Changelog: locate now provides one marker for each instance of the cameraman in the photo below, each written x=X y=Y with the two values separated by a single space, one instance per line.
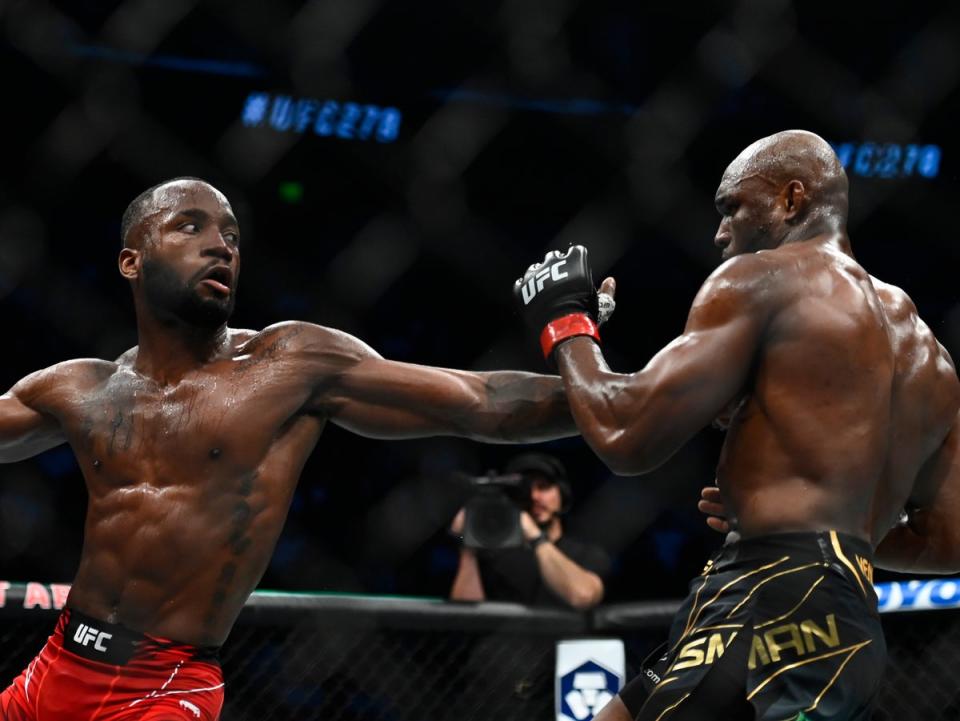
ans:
x=550 y=569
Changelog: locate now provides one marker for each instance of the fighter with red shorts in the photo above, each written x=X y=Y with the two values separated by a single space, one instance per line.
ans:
x=191 y=445
x=89 y=669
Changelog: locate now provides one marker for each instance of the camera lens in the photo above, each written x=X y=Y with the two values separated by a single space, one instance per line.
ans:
x=492 y=521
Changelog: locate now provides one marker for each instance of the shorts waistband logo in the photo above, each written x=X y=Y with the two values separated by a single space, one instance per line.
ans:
x=85 y=634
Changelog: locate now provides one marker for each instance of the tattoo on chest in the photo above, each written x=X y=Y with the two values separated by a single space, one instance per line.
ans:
x=121 y=431
x=105 y=420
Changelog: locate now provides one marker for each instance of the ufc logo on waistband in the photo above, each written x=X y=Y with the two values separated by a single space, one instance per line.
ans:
x=85 y=634
x=535 y=284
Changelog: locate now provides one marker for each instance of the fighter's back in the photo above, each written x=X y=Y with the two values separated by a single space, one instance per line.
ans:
x=926 y=397
x=846 y=401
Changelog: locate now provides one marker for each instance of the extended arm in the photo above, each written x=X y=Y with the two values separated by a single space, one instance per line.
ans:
x=635 y=422
x=362 y=391
x=25 y=430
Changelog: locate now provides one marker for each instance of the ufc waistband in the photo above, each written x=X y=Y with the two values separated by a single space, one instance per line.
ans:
x=111 y=643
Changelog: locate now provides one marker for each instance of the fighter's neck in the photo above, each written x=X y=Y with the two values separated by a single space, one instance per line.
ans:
x=167 y=352
x=824 y=229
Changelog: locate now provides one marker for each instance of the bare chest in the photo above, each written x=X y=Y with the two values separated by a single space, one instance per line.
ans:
x=130 y=425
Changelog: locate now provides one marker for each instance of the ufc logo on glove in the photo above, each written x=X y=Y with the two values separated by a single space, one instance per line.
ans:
x=535 y=284
x=558 y=300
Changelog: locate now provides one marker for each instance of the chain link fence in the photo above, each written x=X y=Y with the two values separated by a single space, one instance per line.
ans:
x=922 y=680
x=336 y=658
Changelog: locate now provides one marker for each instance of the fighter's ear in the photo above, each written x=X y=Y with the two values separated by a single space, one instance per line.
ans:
x=794 y=199
x=129 y=263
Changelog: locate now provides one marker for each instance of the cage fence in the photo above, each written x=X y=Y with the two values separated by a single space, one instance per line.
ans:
x=308 y=657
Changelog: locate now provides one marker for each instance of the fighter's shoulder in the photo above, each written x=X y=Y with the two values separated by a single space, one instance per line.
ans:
x=910 y=330
x=896 y=303
x=901 y=312
x=747 y=271
x=128 y=357
x=304 y=340
x=79 y=375
x=744 y=282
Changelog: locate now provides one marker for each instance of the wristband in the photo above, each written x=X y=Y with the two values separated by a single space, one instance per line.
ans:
x=568 y=326
x=539 y=541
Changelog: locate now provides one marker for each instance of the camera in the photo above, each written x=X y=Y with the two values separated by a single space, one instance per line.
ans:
x=492 y=516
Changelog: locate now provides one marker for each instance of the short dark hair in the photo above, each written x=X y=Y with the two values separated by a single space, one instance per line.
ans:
x=137 y=208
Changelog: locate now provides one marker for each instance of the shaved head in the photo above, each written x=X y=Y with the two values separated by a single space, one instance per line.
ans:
x=783 y=188
x=148 y=202
x=794 y=155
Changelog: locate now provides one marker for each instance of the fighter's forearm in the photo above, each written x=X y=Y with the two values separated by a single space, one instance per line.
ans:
x=523 y=408
x=385 y=399
x=579 y=587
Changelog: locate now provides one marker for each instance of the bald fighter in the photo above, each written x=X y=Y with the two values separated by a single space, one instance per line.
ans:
x=191 y=445
x=925 y=536
x=834 y=406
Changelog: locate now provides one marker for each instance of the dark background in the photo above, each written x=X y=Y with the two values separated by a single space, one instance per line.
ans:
x=526 y=125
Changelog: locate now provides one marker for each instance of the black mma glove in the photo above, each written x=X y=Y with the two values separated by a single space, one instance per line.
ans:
x=557 y=298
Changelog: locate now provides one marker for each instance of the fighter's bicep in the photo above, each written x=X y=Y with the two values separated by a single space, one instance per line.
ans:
x=684 y=387
x=15 y=415
x=24 y=429
x=375 y=420
x=388 y=399
x=708 y=366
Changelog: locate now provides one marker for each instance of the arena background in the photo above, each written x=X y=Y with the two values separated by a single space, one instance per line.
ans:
x=465 y=139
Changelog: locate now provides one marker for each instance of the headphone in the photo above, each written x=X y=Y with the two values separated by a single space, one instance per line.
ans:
x=550 y=467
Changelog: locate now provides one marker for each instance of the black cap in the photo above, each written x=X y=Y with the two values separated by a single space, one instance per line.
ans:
x=550 y=467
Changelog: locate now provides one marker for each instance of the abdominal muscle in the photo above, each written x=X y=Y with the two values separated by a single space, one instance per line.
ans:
x=175 y=562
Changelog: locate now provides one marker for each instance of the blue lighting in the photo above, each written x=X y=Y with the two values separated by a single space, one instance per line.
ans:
x=172 y=62
x=889 y=160
x=348 y=121
x=918 y=595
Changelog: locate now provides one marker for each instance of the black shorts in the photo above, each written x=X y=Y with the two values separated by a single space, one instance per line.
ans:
x=777 y=628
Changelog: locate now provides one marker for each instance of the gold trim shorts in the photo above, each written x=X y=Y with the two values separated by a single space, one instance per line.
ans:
x=777 y=628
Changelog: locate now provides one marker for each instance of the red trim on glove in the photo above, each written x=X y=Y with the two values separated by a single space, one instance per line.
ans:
x=568 y=326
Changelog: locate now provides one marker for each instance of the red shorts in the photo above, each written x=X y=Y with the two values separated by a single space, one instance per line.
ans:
x=90 y=669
